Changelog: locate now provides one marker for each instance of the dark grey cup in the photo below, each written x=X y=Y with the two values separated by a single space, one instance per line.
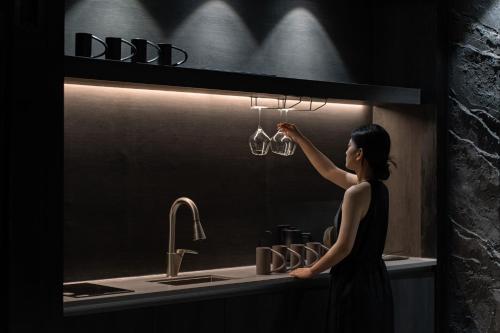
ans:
x=141 y=46
x=302 y=249
x=83 y=45
x=165 y=58
x=283 y=249
x=114 y=50
x=263 y=260
x=319 y=248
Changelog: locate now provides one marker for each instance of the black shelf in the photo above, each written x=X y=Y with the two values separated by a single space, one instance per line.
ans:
x=111 y=70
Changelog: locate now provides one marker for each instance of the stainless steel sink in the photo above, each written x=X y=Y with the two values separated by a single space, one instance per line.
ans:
x=179 y=281
x=392 y=257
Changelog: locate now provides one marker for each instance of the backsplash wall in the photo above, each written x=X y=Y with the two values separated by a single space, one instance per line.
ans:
x=128 y=156
x=129 y=153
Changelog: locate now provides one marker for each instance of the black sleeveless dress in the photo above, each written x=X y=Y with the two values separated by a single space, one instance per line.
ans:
x=360 y=291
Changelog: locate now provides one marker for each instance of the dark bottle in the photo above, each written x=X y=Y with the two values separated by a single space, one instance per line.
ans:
x=266 y=239
x=279 y=235
x=306 y=237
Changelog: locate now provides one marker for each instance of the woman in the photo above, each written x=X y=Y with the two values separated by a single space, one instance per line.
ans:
x=360 y=291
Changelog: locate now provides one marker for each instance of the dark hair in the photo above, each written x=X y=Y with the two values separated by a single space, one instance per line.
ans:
x=376 y=145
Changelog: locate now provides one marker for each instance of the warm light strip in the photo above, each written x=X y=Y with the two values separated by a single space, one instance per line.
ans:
x=117 y=92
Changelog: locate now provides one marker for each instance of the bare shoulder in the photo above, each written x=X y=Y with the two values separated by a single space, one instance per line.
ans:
x=358 y=197
x=359 y=191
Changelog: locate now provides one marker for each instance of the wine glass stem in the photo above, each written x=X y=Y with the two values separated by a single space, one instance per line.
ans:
x=259 y=116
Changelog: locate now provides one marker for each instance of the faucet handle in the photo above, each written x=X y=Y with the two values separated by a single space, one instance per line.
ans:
x=183 y=251
x=175 y=259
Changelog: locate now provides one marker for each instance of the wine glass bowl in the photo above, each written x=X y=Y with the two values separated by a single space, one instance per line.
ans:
x=259 y=142
x=282 y=144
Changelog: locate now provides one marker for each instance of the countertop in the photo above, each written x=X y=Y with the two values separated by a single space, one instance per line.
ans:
x=244 y=281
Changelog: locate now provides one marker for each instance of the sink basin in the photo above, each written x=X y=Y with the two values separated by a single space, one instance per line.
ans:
x=78 y=290
x=391 y=257
x=192 y=280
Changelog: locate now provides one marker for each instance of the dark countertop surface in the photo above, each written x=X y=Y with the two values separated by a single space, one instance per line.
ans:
x=244 y=280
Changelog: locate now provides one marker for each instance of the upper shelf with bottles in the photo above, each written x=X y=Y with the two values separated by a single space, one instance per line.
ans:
x=243 y=83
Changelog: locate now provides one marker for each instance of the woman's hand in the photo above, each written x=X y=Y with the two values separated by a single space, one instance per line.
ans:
x=302 y=273
x=291 y=131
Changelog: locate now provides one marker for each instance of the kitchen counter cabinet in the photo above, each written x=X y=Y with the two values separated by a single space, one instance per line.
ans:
x=178 y=318
x=301 y=309
x=127 y=321
x=309 y=309
x=204 y=316
x=292 y=311
x=296 y=310
x=273 y=303
x=414 y=303
x=257 y=313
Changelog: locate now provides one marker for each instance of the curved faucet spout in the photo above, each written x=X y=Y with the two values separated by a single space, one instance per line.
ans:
x=174 y=259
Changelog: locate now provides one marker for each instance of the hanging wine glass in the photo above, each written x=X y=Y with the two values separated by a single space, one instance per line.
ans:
x=281 y=143
x=259 y=140
x=277 y=146
x=291 y=144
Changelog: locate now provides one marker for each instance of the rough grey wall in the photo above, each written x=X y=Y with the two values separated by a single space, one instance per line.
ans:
x=473 y=155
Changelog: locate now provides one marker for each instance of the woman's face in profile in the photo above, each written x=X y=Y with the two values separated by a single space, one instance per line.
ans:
x=350 y=155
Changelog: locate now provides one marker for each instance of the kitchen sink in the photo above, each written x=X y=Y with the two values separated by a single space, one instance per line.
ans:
x=85 y=289
x=193 y=279
x=392 y=257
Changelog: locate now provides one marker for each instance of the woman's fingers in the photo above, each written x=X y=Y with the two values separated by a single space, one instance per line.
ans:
x=286 y=125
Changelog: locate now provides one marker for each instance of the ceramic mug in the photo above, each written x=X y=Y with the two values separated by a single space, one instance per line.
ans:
x=302 y=249
x=83 y=45
x=141 y=46
x=114 y=51
x=165 y=56
x=319 y=248
x=283 y=249
x=263 y=260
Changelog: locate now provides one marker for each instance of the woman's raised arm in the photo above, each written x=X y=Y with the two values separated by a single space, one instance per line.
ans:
x=320 y=162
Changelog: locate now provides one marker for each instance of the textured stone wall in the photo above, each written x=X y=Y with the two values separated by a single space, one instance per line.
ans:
x=473 y=155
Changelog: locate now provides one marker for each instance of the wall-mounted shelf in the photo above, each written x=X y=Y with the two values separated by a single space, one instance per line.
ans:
x=111 y=70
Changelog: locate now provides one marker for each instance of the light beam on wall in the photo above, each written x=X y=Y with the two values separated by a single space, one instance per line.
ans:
x=196 y=98
x=224 y=33
x=294 y=45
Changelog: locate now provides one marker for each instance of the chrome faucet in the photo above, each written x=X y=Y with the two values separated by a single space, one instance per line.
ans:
x=174 y=258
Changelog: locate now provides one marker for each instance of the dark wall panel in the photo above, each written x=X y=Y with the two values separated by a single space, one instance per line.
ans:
x=405 y=45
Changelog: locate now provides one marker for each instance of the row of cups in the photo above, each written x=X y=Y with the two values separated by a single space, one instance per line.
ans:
x=138 y=49
x=274 y=259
